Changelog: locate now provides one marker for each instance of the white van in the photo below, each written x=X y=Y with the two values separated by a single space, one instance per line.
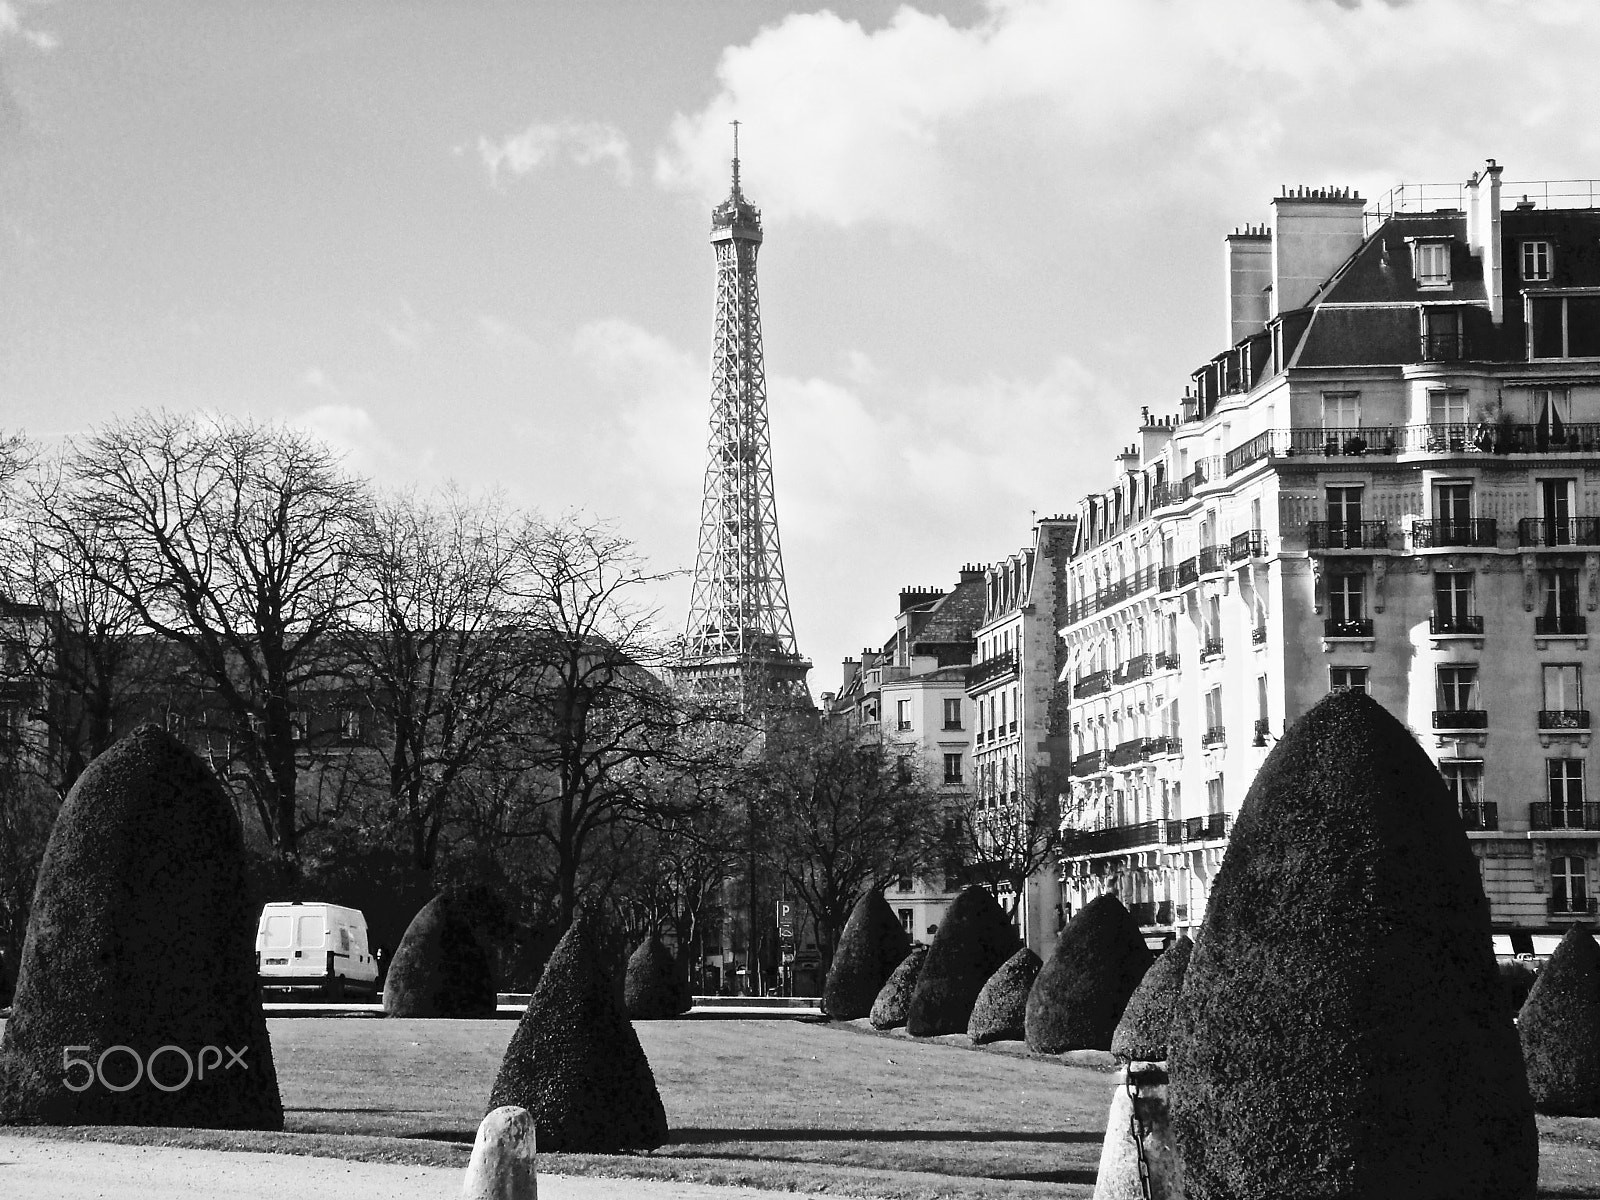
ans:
x=304 y=947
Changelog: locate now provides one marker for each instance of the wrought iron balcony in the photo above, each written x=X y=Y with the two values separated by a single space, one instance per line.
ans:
x=1544 y=815
x=1210 y=648
x=1339 y=535
x=1189 y=571
x=1573 y=906
x=1574 y=531
x=1161 y=495
x=1360 y=628
x=1455 y=623
x=1092 y=684
x=991 y=668
x=1116 y=837
x=1250 y=544
x=1166 y=743
x=1347 y=442
x=1135 y=584
x=1443 y=347
x=1258 y=636
x=1563 y=718
x=1460 y=718
x=1128 y=752
x=1091 y=762
x=1215 y=736
x=1481 y=814
x=1206 y=828
x=1143 y=912
x=1210 y=560
x=1559 y=624
x=1136 y=667
x=1166 y=660
x=1479 y=531
x=1263 y=730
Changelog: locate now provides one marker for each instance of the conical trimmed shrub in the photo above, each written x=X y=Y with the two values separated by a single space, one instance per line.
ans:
x=998 y=1013
x=974 y=938
x=1340 y=1031
x=1142 y=1034
x=650 y=989
x=139 y=963
x=1099 y=959
x=441 y=968
x=871 y=946
x=893 y=1001
x=1560 y=1029
x=575 y=1062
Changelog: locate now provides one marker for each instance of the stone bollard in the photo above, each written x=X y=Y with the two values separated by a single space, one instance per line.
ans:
x=502 y=1166
x=1119 y=1176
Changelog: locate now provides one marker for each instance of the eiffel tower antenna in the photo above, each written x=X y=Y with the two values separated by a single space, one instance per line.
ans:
x=739 y=644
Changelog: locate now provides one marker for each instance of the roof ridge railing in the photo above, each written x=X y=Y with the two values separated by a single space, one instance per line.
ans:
x=1435 y=197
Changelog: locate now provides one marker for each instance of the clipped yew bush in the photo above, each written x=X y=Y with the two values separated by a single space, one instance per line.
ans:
x=973 y=939
x=870 y=947
x=998 y=1013
x=1516 y=981
x=1560 y=1029
x=136 y=999
x=575 y=1062
x=1141 y=1035
x=1080 y=993
x=651 y=990
x=441 y=967
x=893 y=1001
x=1340 y=1032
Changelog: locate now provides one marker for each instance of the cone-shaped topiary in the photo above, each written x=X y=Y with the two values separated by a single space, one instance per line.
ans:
x=575 y=1062
x=1099 y=959
x=137 y=1001
x=974 y=938
x=998 y=1013
x=441 y=967
x=1560 y=1029
x=894 y=998
x=871 y=946
x=1340 y=1031
x=1141 y=1035
x=651 y=990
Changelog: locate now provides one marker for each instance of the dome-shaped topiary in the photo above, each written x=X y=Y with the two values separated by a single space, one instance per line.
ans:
x=1340 y=1031
x=651 y=990
x=139 y=963
x=974 y=938
x=1560 y=1029
x=998 y=1013
x=575 y=1062
x=1099 y=959
x=441 y=967
x=1142 y=1034
x=871 y=946
x=893 y=1001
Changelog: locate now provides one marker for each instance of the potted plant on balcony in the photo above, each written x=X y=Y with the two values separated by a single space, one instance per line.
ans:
x=1355 y=445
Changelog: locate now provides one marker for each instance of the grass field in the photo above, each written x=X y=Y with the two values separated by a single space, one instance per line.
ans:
x=776 y=1104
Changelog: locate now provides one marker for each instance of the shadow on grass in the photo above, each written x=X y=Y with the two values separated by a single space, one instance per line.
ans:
x=697 y=1137
x=465 y=1138
x=1088 y=1177
x=359 y=1110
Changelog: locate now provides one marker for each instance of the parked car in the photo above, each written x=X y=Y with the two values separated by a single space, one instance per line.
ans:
x=306 y=949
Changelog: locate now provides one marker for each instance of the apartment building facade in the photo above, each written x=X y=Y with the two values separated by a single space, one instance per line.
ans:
x=1389 y=480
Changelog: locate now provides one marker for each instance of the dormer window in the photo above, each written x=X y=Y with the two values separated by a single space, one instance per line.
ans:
x=1431 y=263
x=1535 y=262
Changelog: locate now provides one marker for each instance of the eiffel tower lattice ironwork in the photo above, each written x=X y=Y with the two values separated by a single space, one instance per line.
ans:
x=739 y=645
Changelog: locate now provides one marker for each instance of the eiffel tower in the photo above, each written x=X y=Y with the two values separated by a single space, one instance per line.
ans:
x=739 y=647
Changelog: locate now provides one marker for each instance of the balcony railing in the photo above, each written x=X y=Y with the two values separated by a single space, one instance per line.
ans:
x=1136 y=667
x=1263 y=730
x=1558 y=624
x=1361 y=628
x=1309 y=441
x=1167 y=579
x=1460 y=718
x=1201 y=829
x=1215 y=736
x=1166 y=660
x=1210 y=560
x=1246 y=545
x=1480 y=814
x=1139 y=582
x=1089 y=763
x=1455 y=623
x=1210 y=648
x=1347 y=442
x=1573 y=531
x=1188 y=571
x=1443 y=347
x=991 y=668
x=1166 y=743
x=1092 y=684
x=1356 y=535
x=1563 y=718
x=1129 y=752
x=1161 y=495
x=1573 y=906
x=1479 y=531
x=1258 y=636
x=1116 y=837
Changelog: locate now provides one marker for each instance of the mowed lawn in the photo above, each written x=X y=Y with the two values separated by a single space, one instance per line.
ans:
x=781 y=1104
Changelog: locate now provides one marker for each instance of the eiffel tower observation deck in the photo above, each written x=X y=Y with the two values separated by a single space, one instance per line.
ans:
x=739 y=646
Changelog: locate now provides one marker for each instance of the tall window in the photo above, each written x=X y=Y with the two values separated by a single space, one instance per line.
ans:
x=1447 y=406
x=1452 y=601
x=1563 y=687
x=1555 y=497
x=1558 y=601
x=1565 y=791
x=952 y=768
x=1458 y=689
x=1464 y=781
x=1441 y=335
x=1347 y=679
x=1563 y=326
x=1344 y=507
x=1213 y=623
x=905 y=918
x=1347 y=598
x=952 y=713
x=902 y=712
x=1214 y=795
x=1535 y=262
x=1341 y=410
x=1431 y=263
x=1214 y=714
x=1569 y=883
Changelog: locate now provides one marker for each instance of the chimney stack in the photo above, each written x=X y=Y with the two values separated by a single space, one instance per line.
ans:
x=1248 y=252
x=1313 y=231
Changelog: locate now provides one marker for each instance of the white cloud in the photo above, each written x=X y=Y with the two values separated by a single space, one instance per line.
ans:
x=349 y=430
x=586 y=143
x=1069 y=107
x=13 y=25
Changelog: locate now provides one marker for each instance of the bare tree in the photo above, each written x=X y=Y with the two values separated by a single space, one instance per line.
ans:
x=1006 y=837
x=232 y=540
x=837 y=816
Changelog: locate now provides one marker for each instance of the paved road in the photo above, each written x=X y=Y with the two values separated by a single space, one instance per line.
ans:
x=51 y=1170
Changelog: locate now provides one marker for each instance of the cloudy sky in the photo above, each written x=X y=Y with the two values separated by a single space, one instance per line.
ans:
x=468 y=241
